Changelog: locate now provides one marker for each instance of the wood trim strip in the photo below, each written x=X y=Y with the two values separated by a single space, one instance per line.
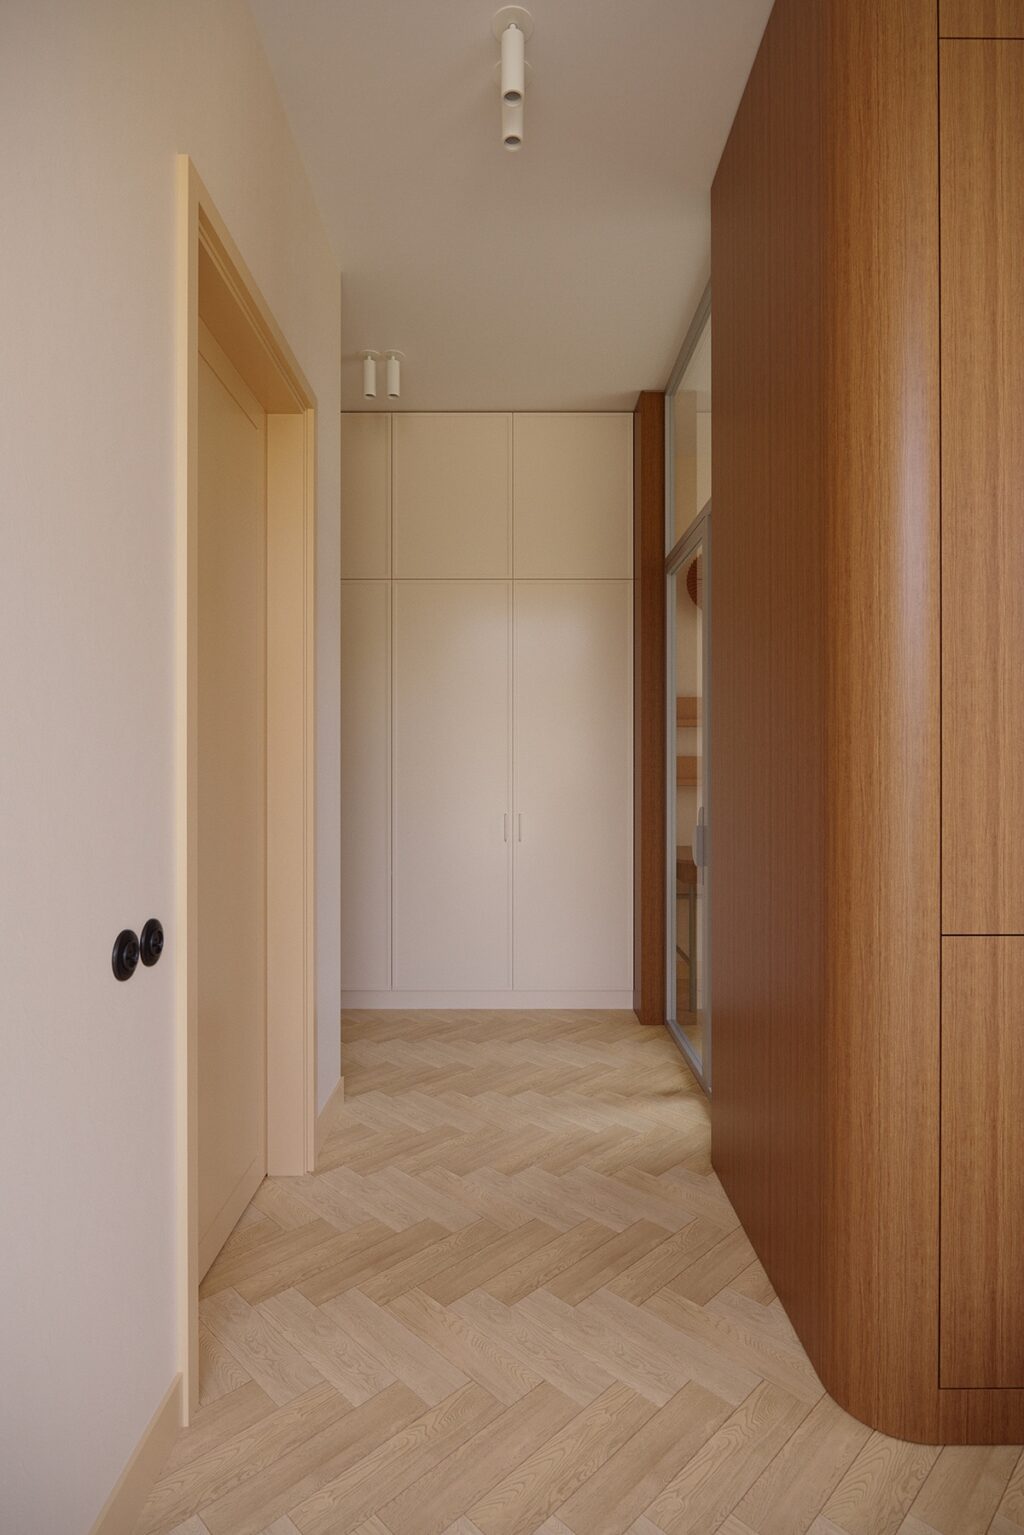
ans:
x=649 y=708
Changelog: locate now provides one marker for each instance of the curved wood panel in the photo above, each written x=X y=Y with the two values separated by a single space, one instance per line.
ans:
x=882 y=742
x=826 y=673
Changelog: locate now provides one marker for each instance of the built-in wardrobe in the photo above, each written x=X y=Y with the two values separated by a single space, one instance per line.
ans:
x=486 y=648
x=868 y=737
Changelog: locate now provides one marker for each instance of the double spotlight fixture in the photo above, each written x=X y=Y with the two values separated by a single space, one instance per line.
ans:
x=512 y=26
x=392 y=373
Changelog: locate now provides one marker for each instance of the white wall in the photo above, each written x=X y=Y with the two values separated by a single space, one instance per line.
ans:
x=96 y=98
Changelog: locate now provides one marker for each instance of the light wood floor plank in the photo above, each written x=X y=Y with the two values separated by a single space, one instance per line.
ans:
x=963 y=1489
x=340 y=1359
x=294 y=1477
x=615 y=1496
x=396 y=1347
x=877 y=1491
x=396 y=1463
x=475 y=1353
x=558 y=1467
x=703 y=1495
x=797 y=1483
x=271 y=1361
x=430 y=1504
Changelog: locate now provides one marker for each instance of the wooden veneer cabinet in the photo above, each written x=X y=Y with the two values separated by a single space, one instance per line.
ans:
x=868 y=718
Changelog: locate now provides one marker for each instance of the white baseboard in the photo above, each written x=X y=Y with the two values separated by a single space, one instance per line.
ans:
x=501 y=1001
x=327 y=1115
x=120 y=1513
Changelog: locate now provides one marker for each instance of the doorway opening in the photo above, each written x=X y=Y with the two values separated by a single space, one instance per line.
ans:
x=245 y=749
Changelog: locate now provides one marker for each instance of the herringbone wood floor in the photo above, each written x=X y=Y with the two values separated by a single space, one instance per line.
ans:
x=514 y=1300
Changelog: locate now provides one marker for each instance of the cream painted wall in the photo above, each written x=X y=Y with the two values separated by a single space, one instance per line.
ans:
x=96 y=99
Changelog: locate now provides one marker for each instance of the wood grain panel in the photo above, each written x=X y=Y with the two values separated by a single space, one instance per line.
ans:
x=797 y=471
x=981 y=18
x=825 y=675
x=649 y=823
x=882 y=736
x=741 y=674
x=982 y=154
x=982 y=1327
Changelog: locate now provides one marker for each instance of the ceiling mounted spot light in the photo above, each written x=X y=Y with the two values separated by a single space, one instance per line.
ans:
x=393 y=374
x=512 y=25
x=512 y=124
x=370 y=375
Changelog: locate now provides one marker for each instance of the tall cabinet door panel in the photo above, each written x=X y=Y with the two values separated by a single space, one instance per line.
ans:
x=982 y=135
x=451 y=756
x=573 y=808
x=365 y=781
x=982 y=1325
x=452 y=495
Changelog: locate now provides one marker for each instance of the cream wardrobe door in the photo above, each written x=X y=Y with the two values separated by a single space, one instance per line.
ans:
x=231 y=798
x=451 y=864
x=365 y=495
x=365 y=785
x=573 y=495
x=452 y=495
x=573 y=773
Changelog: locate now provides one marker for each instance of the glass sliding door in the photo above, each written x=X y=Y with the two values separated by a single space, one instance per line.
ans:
x=688 y=571
x=688 y=819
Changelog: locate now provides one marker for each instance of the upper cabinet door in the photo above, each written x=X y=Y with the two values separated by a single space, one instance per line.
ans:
x=452 y=493
x=365 y=496
x=573 y=496
x=982 y=160
x=981 y=18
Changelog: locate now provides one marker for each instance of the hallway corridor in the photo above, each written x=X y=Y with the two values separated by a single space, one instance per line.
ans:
x=514 y=1300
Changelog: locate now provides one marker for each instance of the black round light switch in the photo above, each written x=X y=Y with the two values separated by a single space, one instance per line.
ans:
x=151 y=942
x=125 y=958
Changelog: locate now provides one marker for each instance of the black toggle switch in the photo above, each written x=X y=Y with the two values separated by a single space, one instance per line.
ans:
x=125 y=958
x=151 y=943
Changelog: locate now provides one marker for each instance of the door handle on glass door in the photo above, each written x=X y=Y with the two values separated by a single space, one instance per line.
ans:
x=519 y=827
x=504 y=822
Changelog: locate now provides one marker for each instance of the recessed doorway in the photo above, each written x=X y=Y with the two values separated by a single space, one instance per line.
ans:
x=246 y=749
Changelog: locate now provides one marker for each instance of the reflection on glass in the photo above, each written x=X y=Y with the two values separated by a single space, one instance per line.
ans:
x=690 y=912
x=691 y=439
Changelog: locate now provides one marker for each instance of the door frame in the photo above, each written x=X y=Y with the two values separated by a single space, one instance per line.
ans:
x=214 y=282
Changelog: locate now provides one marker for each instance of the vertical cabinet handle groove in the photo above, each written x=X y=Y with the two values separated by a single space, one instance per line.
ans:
x=519 y=827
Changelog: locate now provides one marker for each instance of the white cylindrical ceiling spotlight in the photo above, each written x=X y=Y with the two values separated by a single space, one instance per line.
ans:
x=513 y=63
x=512 y=124
x=512 y=25
x=393 y=373
x=370 y=375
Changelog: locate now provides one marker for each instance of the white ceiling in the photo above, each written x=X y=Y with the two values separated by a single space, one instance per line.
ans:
x=560 y=277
